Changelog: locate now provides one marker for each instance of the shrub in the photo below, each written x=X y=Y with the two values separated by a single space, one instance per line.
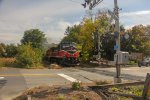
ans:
x=7 y=62
x=76 y=85
x=28 y=56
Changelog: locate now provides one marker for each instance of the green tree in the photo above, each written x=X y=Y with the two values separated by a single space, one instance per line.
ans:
x=11 y=50
x=90 y=31
x=138 y=41
x=28 y=56
x=35 y=37
x=72 y=34
x=2 y=50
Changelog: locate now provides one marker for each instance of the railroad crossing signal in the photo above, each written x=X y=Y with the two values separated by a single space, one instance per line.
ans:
x=91 y=3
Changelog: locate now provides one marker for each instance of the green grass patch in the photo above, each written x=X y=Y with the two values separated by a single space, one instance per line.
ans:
x=132 y=63
x=133 y=90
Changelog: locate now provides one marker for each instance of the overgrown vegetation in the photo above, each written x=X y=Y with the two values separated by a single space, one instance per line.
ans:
x=8 y=51
x=86 y=36
x=61 y=97
x=7 y=62
x=103 y=82
x=76 y=85
x=28 y=56
x=135 y=90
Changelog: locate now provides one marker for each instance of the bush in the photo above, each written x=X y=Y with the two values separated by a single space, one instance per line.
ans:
x=28 y=56
x=76 y=85
x=7 y=62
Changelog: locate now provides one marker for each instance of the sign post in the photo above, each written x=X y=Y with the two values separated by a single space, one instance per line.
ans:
x=146 y=91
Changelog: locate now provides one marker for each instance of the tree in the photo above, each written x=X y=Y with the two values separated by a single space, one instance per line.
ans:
x=72 y=34
x=35 y=37
x=11 y=50
x=28 y=56
x=2 y=50
x=138 y=41
x=90 y=31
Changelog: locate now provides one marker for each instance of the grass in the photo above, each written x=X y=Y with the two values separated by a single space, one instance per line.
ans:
x=11 y=62
x=103 y=82
x=76 y=85
x=61 y=97
x=132 y=63
x=7 y=62
x=135 y=90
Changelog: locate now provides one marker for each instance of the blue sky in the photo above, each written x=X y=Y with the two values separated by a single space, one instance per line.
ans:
x=53 y=16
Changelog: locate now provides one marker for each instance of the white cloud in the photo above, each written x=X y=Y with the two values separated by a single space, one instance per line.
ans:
x=56 y=32
x=9 y=38
x=50 y=17
x=53 y=16
x=136 y=13
x=129 y=19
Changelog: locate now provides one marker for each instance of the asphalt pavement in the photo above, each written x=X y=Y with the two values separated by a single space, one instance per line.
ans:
x=10 y=86
x=14 y=81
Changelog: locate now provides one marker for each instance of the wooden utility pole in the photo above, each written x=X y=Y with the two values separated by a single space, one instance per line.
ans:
x=117 y=27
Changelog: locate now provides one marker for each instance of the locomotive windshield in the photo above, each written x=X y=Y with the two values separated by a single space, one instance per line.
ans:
x=68 y=46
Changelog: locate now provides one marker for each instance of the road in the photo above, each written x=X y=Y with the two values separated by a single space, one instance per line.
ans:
x=13 y=81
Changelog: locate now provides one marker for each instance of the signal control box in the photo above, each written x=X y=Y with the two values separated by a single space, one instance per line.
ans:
x=121 y=57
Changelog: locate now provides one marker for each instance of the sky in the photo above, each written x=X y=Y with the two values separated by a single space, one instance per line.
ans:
x=53 y=16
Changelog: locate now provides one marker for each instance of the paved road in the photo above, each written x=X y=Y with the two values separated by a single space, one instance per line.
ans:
x=10 y=86
x=14 y=81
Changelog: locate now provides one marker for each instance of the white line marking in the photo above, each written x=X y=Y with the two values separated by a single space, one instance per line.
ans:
x=68 y=78
x=127 y=69
x=1 y=77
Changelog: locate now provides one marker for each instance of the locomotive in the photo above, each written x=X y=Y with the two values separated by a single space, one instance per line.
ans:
x=65 y=53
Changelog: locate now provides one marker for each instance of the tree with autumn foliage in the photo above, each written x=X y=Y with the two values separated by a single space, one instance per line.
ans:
x=139 y=40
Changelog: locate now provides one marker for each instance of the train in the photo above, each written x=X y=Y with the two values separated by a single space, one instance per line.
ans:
x=66 y=53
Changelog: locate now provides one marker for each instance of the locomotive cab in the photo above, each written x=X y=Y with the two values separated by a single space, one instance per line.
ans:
x=65 y=53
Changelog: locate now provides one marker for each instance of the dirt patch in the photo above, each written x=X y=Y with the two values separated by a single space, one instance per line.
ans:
x=58 y=93
x=55 y=66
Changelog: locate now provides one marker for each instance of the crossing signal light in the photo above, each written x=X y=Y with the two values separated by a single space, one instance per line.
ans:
x=94 y=2
x=88 y=1
x=84 y=5
x=91 y=6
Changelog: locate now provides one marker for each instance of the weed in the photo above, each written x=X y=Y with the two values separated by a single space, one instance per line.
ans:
x=102 y=82
x=7 y=62
x=76 y=85
x=61 y=97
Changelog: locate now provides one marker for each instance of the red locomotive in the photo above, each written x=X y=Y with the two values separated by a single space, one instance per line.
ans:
x=65 y=53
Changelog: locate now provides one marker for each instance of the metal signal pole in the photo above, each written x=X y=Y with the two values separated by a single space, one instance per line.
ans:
x=115 y=15
x=117 y=27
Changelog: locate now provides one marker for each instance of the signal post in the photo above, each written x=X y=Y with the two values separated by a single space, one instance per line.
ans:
x=115 y=16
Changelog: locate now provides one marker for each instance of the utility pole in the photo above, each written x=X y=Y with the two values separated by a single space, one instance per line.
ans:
x=99 y=48
x=117 y=78
x=117 y=27
x=115 y=16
